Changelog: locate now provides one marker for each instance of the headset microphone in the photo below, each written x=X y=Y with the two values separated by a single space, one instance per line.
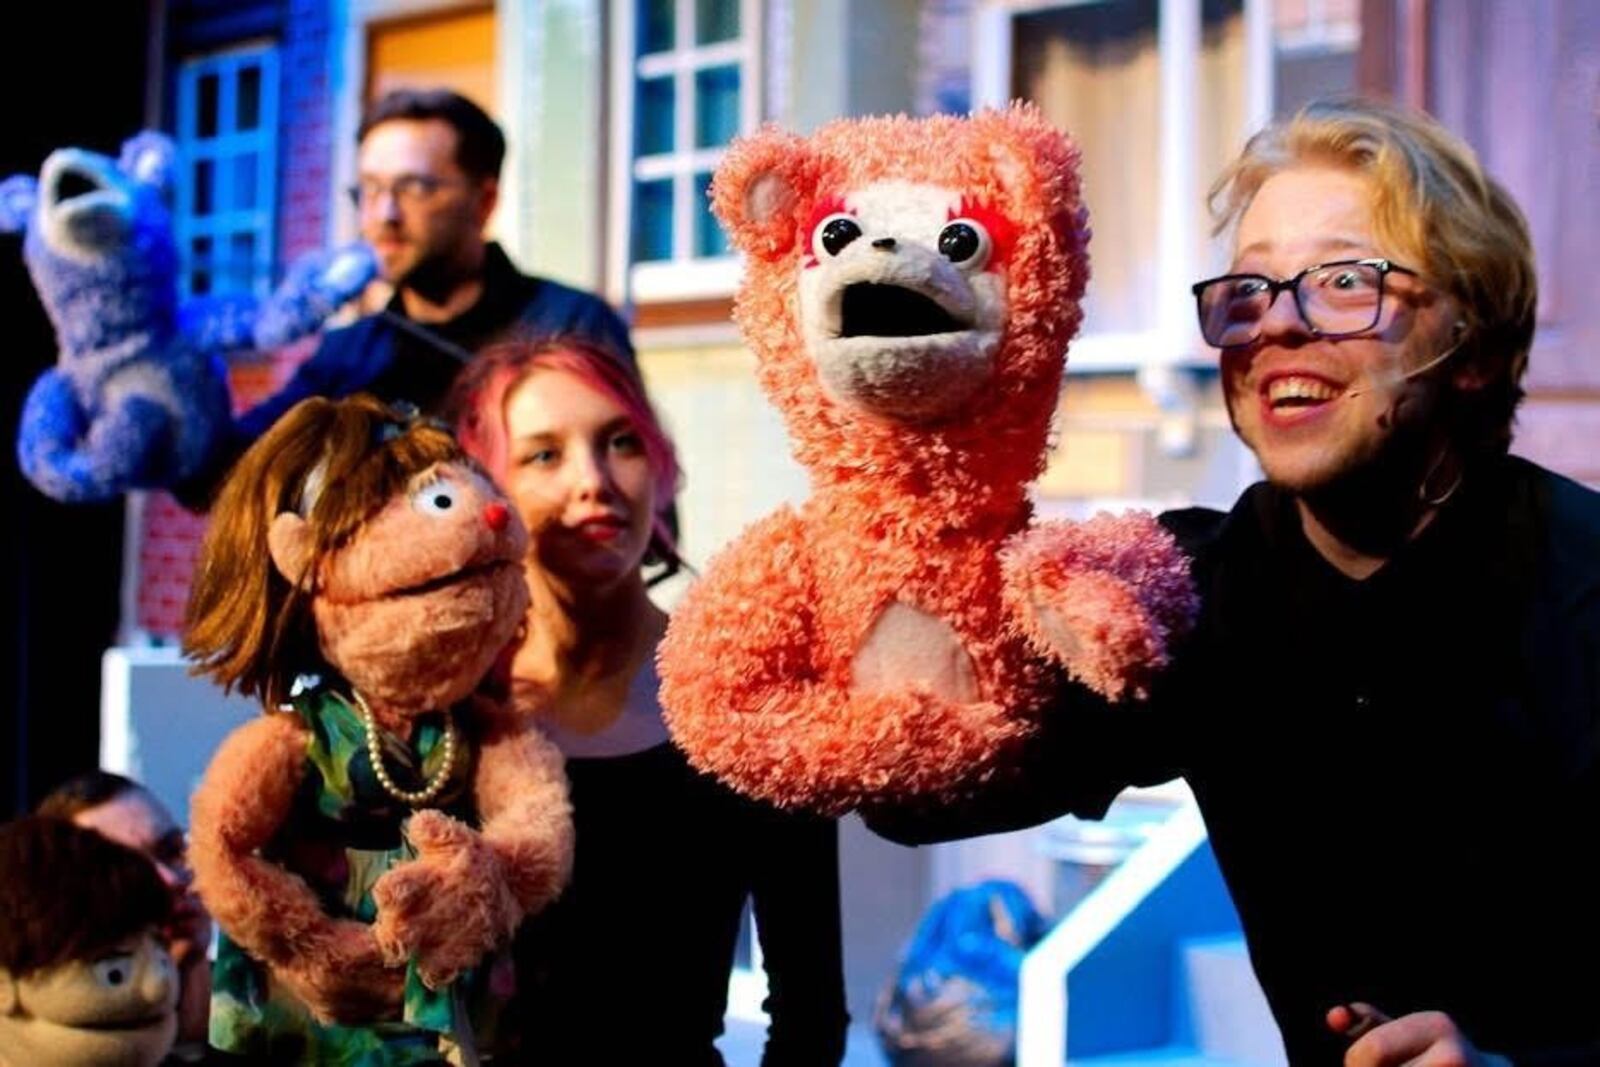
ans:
x=1390 y=382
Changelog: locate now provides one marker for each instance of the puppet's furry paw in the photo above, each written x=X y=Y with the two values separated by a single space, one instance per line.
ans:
x=1106 y=597
x=447 y=908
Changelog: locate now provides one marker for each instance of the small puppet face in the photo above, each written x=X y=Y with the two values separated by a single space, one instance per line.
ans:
x=87 y=205
x=903 y=298
x=99 y=243
x=416 y=608
x=116 y=1008
x=906 y=278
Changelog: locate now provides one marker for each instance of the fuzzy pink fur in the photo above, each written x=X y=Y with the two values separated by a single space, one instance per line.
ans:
x=410 y=643
x=965 y=471
x=527 y=819
x=1105 y=597
x=757 y=666
x=333 y=965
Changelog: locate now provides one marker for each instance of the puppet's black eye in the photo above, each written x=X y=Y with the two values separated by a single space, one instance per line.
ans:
x=437 y=498
x=965 y=243
x=834 y=233
x=113 y=971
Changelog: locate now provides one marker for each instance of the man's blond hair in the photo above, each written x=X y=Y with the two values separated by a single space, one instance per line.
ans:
x=1439 y=212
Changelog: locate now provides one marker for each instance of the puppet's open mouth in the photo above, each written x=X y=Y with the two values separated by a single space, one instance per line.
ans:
x=875 y=309
x=83 y=206
x=73 y=184
x=125 y=1026
x=466 y=575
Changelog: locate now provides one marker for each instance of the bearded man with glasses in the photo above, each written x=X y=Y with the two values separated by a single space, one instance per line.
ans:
x=1390 y=708
x=428 y=178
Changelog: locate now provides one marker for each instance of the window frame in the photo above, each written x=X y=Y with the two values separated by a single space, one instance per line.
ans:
x=1172 y=340
x=223 y=221
x=685 y=276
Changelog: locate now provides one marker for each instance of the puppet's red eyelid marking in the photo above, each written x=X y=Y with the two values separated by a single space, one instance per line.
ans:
x=828 y=205
x=1002 y=231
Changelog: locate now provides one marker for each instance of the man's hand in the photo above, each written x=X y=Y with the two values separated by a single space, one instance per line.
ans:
x=1421 y=1039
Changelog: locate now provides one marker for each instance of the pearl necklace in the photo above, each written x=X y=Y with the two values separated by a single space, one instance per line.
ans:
x=433 y=786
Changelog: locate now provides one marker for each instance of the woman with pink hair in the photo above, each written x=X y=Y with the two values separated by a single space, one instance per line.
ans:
x=631 y=965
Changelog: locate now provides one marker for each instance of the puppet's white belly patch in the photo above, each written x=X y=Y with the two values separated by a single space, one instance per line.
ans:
x=908 y=646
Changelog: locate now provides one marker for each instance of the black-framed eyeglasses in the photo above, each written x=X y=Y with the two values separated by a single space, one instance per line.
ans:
x=1336 y=299
x=407 y=189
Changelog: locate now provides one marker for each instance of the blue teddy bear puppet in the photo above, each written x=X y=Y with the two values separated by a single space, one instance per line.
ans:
x=138 y=398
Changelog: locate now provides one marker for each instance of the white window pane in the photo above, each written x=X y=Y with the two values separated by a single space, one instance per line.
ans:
x=247 y=108
x=200 y=266
x=205 y=184
x=207 y=106
x=687 y=78
x=1314 y=51
x=655 y=106
x=709 y=240
x=227 y=134
x=652 y=221
x=241 y=266
x=716 y=20
x=1095 y=71
x=245 y=169
x=716 y=106
x=1301 y=76
x=1220 y=111
x=655 y=26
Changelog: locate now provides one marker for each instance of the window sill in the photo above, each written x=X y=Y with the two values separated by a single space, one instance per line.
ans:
x=682 y=281
x=1128 y=352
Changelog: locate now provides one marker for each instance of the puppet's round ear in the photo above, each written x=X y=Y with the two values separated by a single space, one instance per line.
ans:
x=19 y=194
x=149 y=157
x=289 y=543
x=761 y=191
x=1037 y=166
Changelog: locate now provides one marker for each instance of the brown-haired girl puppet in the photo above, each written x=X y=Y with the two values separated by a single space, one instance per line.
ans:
x=386 y=824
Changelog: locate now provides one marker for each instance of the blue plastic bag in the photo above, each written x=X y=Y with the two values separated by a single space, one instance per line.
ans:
x=953 y=1002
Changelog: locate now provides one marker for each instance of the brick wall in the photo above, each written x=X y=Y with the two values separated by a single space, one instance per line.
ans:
x=168 y=535
x=306 y=111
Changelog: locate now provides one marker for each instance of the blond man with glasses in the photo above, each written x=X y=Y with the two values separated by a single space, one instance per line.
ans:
x=1390 y=709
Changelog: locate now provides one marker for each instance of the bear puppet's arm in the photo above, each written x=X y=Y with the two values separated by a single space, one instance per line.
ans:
x=317 y=284
x=1107 y=598
x=332 y=965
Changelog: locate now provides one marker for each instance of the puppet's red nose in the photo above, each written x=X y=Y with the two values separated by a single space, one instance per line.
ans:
x=496 y=515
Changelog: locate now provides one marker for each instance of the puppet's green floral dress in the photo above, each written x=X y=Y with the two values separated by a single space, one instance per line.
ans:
x=343 y=834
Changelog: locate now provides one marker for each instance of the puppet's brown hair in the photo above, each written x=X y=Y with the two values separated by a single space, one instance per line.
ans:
x=247 y=627
x=68 y=892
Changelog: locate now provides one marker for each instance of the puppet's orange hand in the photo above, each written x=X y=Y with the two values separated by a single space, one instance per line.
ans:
x=1106 y=597
x=345 y=979
x=447 y=908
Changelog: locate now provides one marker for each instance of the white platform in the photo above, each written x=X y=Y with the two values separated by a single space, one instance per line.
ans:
x=159 y=725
